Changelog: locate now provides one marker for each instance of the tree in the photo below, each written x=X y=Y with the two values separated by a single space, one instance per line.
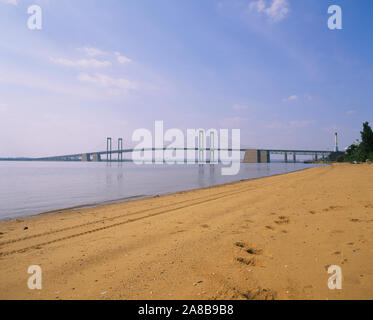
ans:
x=364 y=150
x=367 y=138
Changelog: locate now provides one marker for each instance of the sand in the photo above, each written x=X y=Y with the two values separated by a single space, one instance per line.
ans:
x=269 y=238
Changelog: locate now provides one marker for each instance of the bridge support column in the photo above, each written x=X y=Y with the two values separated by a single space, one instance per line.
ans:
x=108 y=149
x=86 y=157
x=286 y=157
x=201 y=148
x=251 y=156
x=96 y=157
x=294 y=157
x=315 y=157
x=214 y=158
x=120 y=148
x=263 y=156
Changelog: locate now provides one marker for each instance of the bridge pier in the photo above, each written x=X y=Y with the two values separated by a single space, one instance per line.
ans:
x=86 y=157
x=286 y=157
x=96 y=157
x=213 y=159
x=108 y=149
x=256 y=156
x=201 y=148
x=120 y=148
x=294 y=157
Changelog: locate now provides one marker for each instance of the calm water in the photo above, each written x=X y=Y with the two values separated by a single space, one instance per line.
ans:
x=28 y=188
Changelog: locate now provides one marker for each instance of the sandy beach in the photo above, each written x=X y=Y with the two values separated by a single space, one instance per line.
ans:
x=269 y=238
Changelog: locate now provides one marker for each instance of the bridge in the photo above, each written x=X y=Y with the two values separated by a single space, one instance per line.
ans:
x=250 y=155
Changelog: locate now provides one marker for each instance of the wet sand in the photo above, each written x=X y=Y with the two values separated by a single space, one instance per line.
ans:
x=270 y=238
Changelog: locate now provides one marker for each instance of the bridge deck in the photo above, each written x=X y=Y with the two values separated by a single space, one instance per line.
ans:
x=78 y=156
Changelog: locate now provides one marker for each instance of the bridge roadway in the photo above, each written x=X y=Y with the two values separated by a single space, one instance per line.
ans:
x=251 y=155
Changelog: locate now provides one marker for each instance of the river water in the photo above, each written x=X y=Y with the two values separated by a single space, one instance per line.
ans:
x=28 y=188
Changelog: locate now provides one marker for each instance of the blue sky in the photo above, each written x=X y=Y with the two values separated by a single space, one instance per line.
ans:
x=105 y=68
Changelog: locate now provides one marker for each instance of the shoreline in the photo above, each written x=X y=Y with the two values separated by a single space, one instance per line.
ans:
x=265 y=238
x=140 y=197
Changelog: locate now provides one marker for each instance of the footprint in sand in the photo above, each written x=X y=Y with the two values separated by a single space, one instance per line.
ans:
x=248 y=262
x=248 y=249
x=252 y=252
x=282 y=220
x=259 y=294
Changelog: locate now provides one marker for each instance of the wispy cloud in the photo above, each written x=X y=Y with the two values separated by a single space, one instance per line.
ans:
x=13 y=2
x=122 y=59
x=240 y=107
x=20 y=78
x=291 y=98
x=106 y=81
x=81 y=63
x=300 y=123
x=290 y=124
x=351 y=111
x=232 y=122
x=275 y=10
x=92 y=52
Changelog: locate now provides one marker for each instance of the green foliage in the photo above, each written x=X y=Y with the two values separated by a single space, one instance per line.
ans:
x=370 y=156
x=351 y=150
x=363 y=151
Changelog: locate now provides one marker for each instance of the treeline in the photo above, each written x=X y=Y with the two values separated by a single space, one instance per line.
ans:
x=360 y=151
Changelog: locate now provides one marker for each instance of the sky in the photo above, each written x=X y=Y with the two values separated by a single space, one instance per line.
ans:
x=98 y=69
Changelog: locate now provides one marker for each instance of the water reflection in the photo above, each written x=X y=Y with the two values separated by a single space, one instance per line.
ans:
x=28 y=188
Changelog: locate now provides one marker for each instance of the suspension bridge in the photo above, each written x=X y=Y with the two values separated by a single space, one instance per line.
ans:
x=117 y=155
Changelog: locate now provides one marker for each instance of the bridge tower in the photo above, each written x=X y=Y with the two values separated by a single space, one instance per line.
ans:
x=120 y=150
x=212 y=149
x=108 y=149
x=201 y=147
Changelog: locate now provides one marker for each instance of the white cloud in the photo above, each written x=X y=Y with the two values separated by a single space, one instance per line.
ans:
x=14 y=77
x=291 y=98
x=351 y=111
x=240 y=107
x=84 y=63
x=122 y=59
x=259 y=5
x=232 y=122
x=290 y=124
x=13 y=2
x=275 y=10
x=107 y=81
x=92 y=52
x=300 y=123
